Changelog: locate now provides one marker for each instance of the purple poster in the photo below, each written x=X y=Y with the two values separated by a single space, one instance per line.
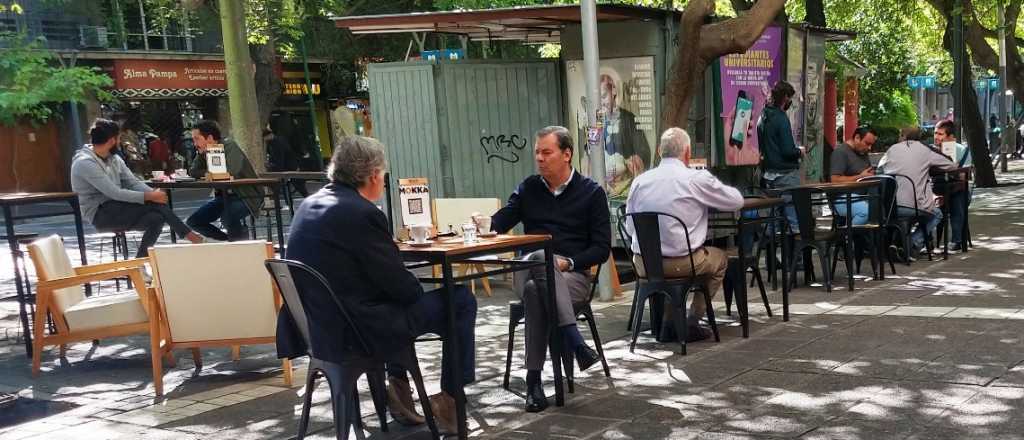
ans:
x=747 y=80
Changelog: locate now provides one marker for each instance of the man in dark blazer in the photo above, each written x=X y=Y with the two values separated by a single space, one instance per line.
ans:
x=341 y=233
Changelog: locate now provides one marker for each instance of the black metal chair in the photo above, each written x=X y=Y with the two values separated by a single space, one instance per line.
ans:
x=881 y=201
x=647 y=227
x=752 y=263
x=342 y=377
x=903 y=224
x=584 y=313
x=809 y=237
x=627 y=244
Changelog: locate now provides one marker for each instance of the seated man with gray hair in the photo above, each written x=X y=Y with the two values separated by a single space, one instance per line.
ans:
x=675 y=188
x=341 y=233
x=574 y=210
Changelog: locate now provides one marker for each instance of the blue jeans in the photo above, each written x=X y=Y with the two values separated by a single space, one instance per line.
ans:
x=931 y=222
x=859 y=208
x=428 y=316
x=202 y=220
x=957 y=213
x=789 y=179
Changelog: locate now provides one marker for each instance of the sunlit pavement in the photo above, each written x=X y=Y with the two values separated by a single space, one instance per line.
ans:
x=932 y=352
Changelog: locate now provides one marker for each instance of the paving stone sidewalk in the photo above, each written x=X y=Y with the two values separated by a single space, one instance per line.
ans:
x=933 y=352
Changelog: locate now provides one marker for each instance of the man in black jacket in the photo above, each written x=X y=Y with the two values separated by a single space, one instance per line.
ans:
x=780 y=162
x=574 y=210
x=340 y=232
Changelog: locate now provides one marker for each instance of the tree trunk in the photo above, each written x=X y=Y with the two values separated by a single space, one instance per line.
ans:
x=245 y=124
x=973 y=123
x=815 y=12
x=699 y=44
x=268 y=86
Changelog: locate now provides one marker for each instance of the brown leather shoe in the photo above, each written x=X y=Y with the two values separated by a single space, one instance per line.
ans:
x=443 y=407
x=400 y=403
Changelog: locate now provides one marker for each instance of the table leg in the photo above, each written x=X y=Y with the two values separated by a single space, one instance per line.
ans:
x=277 y=215
x=450 y=348
x=12 y=243
x=286 y=184
x=848 y=243
x=786 y=251
x=170 y=205
x=740 y=287
x=76 y=210
x=554 y=337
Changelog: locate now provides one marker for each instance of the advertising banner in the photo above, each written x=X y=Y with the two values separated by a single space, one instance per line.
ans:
x=169 y=74
x=627 y=117
x=747 y=80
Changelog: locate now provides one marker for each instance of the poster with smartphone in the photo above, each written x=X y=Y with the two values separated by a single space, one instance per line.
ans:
x=746 y=82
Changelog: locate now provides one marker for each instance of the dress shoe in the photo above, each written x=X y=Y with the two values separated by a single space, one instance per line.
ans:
x=400 y=403
x=954 y=247
x=586 y=356
x=443 y=407
x=536 y=401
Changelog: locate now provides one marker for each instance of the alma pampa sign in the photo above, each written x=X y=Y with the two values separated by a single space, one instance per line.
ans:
x=169 y=74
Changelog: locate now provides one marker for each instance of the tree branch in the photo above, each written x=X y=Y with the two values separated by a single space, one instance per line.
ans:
x=741 y=5
x=736 y=35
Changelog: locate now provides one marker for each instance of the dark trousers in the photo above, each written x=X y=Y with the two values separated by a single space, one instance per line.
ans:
x=428 y=316
x=150 y=218
x=957 y=212
x=231 y=217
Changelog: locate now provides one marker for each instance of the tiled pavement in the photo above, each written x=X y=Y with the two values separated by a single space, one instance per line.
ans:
x=934 y=352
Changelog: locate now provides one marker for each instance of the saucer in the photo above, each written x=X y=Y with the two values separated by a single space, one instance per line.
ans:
x=424 y=244
x=487 y=234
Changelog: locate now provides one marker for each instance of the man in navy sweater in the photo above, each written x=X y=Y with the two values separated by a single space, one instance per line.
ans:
x=573 y=209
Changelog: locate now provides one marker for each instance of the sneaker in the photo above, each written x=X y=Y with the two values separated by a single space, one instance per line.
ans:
x=400 y=403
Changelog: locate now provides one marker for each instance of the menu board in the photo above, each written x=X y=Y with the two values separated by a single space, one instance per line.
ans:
x=414 y=196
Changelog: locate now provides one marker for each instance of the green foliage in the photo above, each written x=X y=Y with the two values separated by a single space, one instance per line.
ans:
x=33 y=82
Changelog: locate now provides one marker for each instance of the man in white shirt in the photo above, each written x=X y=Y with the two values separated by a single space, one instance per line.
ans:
x=946 y=132
x=913 y=159
x=674 y=188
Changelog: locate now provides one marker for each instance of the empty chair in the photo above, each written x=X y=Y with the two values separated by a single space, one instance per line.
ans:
x=76 y=318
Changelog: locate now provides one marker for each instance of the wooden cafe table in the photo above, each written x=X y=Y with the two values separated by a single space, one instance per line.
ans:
x=446 y=252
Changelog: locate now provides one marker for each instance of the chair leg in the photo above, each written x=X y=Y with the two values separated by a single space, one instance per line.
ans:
x=379 y=395
x=513 y=322
x=567 y=358
x=728 y=290
x=764 y=293
x=632 y=308
x=711 y=315
x=236 y=353
x=342 y=384
x=484 y=281
x=639 y=302
x=307 y=401
x=823 y=257
x=678 y=304
x=428 y=413
x=588 y=314
x=197 y=358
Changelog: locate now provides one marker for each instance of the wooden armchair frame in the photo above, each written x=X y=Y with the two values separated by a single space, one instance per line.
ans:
x=169 y=344
x=46 y=305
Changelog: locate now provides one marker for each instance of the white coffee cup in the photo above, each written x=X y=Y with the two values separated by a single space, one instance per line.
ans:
x=181 y=172
x=483 y=223
x=419 y=233
x=158 y=174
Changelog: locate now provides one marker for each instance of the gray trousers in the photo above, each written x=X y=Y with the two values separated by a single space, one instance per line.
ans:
x=531 y=286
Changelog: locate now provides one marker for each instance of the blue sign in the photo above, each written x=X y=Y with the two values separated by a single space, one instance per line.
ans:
x=443 y=54
x=929 y=82
x=914 y=82
x=921 y=82
x=993 y=83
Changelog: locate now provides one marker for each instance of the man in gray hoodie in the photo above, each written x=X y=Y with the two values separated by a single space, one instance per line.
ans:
x=113 y=199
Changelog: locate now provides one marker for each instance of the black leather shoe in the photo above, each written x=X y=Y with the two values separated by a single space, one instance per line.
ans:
x=586 y=356
x=536 y=401
x=696 y=333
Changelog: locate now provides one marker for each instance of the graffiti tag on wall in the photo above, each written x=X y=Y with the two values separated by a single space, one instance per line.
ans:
x=502 y=147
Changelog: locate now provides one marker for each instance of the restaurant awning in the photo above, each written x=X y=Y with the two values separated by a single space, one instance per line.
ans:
x=534 y=24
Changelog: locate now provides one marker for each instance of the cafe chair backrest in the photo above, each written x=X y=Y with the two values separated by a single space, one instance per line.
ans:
x=647 y=233
x=882 y=200
x=215 y=291
x=624 y=237
x=913 y=187
x=802 y=203
x=285 y=273
x=53 y=263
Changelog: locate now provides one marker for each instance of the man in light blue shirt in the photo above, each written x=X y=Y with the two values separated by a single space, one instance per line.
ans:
x=946 y=132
